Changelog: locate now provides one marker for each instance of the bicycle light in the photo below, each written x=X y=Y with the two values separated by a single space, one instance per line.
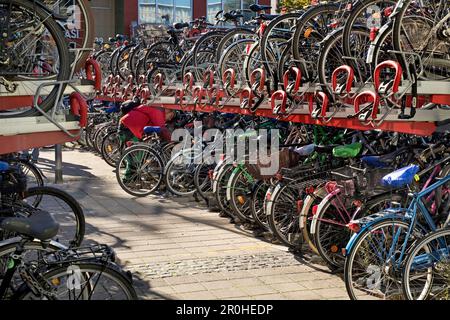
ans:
x=354 y=226
x=314 y=209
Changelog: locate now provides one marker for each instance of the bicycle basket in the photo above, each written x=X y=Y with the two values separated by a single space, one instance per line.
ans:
x=286 y=159
x=359 y=180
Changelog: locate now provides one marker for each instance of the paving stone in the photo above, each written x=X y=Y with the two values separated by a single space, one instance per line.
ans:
x=177 y=250
x=188 y=287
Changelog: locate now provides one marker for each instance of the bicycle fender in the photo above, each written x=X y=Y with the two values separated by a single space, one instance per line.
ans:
x=318 y=193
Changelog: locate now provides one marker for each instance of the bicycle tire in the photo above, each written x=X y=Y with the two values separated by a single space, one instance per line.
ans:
x=406 y=286
x=63 y=54
x=88 y=268
x=155 y=156
x=63 y=196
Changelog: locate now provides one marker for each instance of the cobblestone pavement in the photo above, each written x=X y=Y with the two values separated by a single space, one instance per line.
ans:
x=177 y=249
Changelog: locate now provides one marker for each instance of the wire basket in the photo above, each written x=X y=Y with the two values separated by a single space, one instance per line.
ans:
x=355 y=180
x=286 y=159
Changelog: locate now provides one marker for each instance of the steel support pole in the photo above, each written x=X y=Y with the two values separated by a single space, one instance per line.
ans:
x=58 y=164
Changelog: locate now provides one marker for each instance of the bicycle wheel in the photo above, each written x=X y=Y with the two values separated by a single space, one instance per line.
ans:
x=103 y=58
x=232 y=36
x=426 y=274
x=239 y=191
x=312 y=27
x=85 y=281
x=32 y=251
x=311 y=201
x=332 y=56
x=79 y=29
x=179 y=173
x=111 y=148
x=366 y=14
x=283 y=214
x=64 y=208
x=276 y=37
x=415 y=32
x=221 y=189
x=37 y=52
x=202 y=178
x=140 y=170
x=123 y=62
x=369 y=271
x=331 y=233
x=234 y=58
x=257 y=204
x=34 y=175
x=101 y=134
x=207 y=42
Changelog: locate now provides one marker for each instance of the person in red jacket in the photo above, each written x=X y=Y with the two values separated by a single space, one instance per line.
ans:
x=135 y=120
x=143 y=116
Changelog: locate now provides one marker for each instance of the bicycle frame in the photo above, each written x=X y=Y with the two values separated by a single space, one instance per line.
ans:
x=410 y=216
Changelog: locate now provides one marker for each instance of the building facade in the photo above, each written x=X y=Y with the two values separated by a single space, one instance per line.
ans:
x=122 y=16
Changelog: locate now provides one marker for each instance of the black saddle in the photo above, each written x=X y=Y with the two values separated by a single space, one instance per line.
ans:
x=39 y=225
x=267 y=17
x=257 y=7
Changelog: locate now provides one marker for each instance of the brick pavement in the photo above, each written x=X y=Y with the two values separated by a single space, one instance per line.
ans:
x=176 y=249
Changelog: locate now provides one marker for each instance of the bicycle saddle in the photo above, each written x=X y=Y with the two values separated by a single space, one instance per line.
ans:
x=180 y=25
x=382 y=161
x=150 y=130
x=401 y=177
x=40 y=225
x=324 y=149
x=305 y=150
x=347 y=151
x=112 y=109
x=267 y=17
x=257 y=7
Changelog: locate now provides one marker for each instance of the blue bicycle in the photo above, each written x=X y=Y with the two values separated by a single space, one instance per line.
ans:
x=377 y=252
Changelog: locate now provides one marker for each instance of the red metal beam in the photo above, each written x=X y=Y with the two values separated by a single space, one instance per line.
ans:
x=21 y=142
x=12 y=102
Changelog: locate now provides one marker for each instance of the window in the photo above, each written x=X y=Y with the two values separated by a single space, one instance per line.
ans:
x=164 y=11
x=215 y=6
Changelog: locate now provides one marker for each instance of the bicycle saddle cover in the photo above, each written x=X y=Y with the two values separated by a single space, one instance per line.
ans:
x=258 y=7
x=347 y=151
x=306 y=150
x=401 y=177
x=150 y=130
x=375 y=161
x=112 y=109
x=39 y=225
x=4 y=166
